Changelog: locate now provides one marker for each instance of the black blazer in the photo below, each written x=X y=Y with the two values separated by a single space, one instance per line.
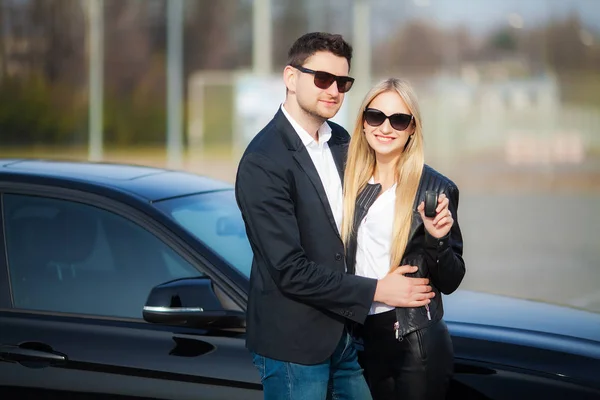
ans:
x=300 y=296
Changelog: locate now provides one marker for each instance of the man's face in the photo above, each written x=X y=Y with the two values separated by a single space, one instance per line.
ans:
x=320 y=103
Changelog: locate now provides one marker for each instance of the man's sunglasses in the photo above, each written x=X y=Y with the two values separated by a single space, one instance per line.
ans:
x=324 y=80
x=399 y=121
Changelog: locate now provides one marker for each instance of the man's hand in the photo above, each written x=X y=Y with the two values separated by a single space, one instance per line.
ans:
x=397 y=290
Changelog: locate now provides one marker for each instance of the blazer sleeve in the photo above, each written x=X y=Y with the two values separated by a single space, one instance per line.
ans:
x=447 y=265
x=264 y=198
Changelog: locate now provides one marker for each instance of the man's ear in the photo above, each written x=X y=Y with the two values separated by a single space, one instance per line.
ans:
x=289 y=78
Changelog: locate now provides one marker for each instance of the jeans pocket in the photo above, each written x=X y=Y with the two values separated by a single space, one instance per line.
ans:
x=259 y=363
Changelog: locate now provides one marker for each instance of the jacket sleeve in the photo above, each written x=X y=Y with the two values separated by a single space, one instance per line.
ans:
x=263 y=195
x=445 y=254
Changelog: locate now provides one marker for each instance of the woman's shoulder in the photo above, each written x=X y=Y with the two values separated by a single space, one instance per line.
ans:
x=431 y=179
x=436 y=181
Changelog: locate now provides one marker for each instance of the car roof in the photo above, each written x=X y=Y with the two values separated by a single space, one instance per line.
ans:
x=149 y=183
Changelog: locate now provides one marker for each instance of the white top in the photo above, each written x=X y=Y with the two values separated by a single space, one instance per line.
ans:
x=374 y=241
x=323 y=160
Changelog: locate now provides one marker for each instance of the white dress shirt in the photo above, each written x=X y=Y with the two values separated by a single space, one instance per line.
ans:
x=323 y=160
x=374 y=241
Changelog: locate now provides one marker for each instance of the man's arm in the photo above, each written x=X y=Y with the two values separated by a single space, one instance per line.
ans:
x=263 y=195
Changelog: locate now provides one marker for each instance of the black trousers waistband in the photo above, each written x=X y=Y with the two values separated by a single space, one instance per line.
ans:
x=386 y=318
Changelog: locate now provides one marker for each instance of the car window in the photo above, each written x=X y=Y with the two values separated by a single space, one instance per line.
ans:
x=215 y=219
x=70 y=257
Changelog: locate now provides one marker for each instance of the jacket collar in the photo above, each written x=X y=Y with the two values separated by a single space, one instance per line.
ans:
x=294 y=143
x=337 y=143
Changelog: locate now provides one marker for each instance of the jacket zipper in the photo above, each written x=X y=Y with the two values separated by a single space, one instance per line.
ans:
x=397 y=325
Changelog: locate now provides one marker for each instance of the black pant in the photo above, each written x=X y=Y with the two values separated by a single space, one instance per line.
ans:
x=418 y=367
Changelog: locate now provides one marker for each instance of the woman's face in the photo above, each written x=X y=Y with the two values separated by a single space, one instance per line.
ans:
x=390 y=136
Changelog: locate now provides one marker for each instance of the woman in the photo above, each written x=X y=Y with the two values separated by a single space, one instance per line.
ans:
x=407 y=351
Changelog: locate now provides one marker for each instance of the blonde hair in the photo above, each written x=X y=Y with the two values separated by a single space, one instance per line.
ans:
x=361 y=162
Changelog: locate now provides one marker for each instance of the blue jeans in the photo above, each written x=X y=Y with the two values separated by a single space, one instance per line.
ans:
x=339 y=377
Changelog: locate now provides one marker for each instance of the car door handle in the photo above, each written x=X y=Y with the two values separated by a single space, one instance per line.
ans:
x=24 y=354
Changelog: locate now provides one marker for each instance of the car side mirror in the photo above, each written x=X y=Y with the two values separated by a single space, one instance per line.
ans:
x=190 y=302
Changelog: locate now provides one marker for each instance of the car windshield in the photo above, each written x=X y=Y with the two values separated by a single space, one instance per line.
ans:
x=215 y=219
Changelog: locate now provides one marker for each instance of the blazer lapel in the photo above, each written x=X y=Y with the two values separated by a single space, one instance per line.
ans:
x=306 y=164
x=339 y=149
x=303 y=159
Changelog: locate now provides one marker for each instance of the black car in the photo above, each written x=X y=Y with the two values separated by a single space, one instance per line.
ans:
x=131 y=282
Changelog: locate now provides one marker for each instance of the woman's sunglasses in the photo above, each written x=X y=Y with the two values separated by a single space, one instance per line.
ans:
x=399 y=121
x=324 y=80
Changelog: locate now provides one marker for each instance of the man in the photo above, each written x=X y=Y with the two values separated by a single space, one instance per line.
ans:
x=289 y=190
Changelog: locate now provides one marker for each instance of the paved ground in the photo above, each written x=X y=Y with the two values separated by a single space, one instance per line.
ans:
x=537 y=246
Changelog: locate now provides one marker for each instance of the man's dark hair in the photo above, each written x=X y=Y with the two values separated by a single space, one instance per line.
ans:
x=310 y=43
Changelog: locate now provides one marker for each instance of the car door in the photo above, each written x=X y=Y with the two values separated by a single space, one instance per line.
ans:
x=79 y=276
x=488 y=367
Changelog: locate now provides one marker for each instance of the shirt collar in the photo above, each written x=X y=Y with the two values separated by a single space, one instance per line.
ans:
x=307 y=140
x=372 y=182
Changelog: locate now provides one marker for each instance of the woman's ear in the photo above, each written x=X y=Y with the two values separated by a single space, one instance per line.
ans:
x=289 y=78
x=413 y=127
x=408 y=141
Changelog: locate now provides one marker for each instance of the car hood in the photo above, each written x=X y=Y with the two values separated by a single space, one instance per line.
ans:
x=489 y=309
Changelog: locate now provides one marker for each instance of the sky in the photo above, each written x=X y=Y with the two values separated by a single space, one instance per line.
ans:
x=481 y=15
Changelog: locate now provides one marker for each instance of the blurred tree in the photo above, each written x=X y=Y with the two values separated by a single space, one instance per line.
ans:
x=34 y=112
x=212 y=33
x=127 y=43
x=135 y=72
x=464 y=41
x=290 y=21
x=44 y=65
x=504 y=39
x=55 y=35
x=564 y=47
x=3 y=29
x=416 y=48
x=570 y=50
x=217 y=37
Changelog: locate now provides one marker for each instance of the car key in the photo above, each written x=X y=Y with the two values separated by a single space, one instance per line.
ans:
x=431 y=202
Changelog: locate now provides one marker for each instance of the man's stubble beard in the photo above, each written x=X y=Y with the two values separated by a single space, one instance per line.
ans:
x=316 y=115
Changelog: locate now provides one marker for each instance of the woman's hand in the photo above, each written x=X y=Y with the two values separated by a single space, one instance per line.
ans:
x=438 y=226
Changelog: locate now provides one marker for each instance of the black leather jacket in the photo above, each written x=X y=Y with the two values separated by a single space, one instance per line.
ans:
x=440 y=260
